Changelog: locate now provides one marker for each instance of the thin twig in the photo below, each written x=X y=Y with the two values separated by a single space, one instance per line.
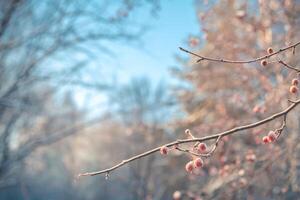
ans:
x=279 y=130
x=240 y=61
x=206 y=138
x=289 y=66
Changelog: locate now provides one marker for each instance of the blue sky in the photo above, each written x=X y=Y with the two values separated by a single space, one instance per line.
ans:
x=176 y=20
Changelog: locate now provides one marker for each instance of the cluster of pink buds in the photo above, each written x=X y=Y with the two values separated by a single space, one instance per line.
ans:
x=195 y=163
x=191 y=165
x=294 y=88
x=264 y=62
x=271 y=137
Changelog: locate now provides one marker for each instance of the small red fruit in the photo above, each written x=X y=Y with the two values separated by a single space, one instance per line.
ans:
x=295 y=81
x=164 y=150
x=272 y=136
x=264 y=63
x=189 y=166
x=270 y=50
x=198 y=162
x=293 y=89
x=202 y=147
x=266 y=139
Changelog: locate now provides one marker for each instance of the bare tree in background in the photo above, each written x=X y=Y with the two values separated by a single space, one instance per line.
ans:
x=144 y=111
x=44 y=46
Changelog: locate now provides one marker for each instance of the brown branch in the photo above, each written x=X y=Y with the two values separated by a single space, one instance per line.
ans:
x=283 y=125
x=289 y=66
x=293 y=46
x=215 y=136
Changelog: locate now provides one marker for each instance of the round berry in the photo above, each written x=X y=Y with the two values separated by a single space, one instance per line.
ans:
x=270 y=50
x=293 y=89
x=202 y=147
x=272 y=136
x=164 y=150
x=189 y=166
x=266 y=139
x=198 y=162
x=295 y=81
x=177 y=195
x=264 y=63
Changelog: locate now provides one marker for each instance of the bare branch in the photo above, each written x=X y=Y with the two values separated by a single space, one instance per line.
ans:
x=216 y=136
x=293 y=46
x=289 y=66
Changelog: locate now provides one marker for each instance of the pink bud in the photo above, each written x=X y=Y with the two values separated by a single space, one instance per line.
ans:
x=198 y=162
x=266 y=139
x=202 y=148
x=164 y=150
x=272 y=136
x=189 y=166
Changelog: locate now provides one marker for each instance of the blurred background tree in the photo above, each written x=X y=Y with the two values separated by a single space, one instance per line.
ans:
x=221 y=96
x=45 y=48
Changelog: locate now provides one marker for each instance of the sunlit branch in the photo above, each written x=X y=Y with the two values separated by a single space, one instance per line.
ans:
x=293 y=46
x=289 y=66
x=202 y=139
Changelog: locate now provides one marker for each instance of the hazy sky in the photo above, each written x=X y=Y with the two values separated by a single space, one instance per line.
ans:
x=170 y=29
x=176 y=20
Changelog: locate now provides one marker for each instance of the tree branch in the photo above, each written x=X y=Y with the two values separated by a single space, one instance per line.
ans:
x=215 y=136
x=293 y=46
x=289 y=66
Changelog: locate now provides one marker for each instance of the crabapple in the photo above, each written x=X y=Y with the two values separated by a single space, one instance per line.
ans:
x=264 y=63
x=272 y=136
x=198 y=162
x=202 y=147
x=164 y=150
x=266 y=139
x=189 y=166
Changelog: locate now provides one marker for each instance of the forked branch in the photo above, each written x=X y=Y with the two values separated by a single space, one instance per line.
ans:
x=217 y=137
